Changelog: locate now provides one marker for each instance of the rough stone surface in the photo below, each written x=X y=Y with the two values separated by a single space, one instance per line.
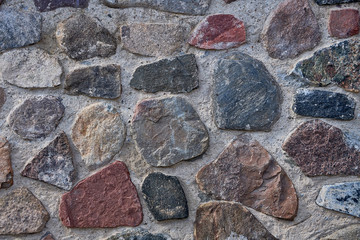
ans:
x=49 y=5
x=106 y=199
x=6 y=172
x=331 y=2
x=96 y=81
x=246 y=96
x=21 y=212
x=2 y=97
x=291 y=30
x=47 y=236
x=175 y=75
x=221 y=31
x=344 y=23
x=167 y=131
x=229 y=1
x=316 y=103
x=30 y=68
x=53 y=164
x=138 y=235
x=165 y=197
x=82 y=37
x=349 y=232
x=227 y=220
x=36 y=117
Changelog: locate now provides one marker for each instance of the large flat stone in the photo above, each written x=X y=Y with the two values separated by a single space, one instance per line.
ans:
x=6 y=172
x=331 y=2
x=344 y=23
x=348 y=232
x=138 y=235
x=49 y=5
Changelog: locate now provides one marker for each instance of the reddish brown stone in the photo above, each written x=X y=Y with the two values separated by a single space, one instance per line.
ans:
x=6 y=172
x=344 y=23
x=106 y=199
x=47 y=236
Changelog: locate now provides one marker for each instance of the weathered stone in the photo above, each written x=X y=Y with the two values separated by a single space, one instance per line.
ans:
x=245 y=172
x=221 y=31
x=161 y=38
x=19 y=29
x=49 y=5
x=291 y=30
x=246 y=96
x=330 y=2
x=175 y=75
x=2 y=97
x=228 y=220
x=316 y=103
x=47 y=236
x=165 y=197
x=138 y=235
x=36 y=117
x=82 y=37
x=21 y=212
x=106 y=199
x=6 y=172
x=344 y=23
x=167 y=131
x=30 y=68
x=96 y=81
x=229 y=1
x=53 y=164
x=322 y=149
x=349 y=232
x=98 y=133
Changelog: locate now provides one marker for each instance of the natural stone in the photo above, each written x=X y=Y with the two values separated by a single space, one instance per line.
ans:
x=21 y=212
x=6 y=172
x=2 y=97
x=246 y=96
x=330 y=2
x=291 y=30
x=221 y=31
x=82 y=37
x=175 y=75
x=348 y=232
x=165 y=197
x=53 y=164
x=138 y=235
x=47 y=236
x=98 y=133
x=344 y=23
x=228 y=220
x=167 y=131
x=106 y=199
x=49 y=5
x=36 y=117
x=96 y=81
x=245 y=172
x=229 y=1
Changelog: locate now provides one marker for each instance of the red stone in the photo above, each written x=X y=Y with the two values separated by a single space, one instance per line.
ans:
x=106 y=199
x=344 y=23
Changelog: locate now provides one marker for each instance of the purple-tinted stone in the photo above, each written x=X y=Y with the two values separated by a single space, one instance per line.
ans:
x=48 y=5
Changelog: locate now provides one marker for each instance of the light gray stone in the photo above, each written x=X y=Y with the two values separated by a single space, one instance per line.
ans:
x=346 y=233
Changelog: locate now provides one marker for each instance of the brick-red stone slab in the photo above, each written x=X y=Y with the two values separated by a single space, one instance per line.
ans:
x=344 y=23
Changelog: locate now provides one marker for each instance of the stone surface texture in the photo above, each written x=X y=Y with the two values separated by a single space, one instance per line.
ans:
x=6 y=171
x=344 y=23
x=47 y=236
x=349 y=232
x=2 y=97
x=332 y=2
x=138 y=235
x=49 y=5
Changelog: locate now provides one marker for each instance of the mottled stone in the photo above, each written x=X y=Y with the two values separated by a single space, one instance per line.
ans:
x=175 y=75
x=2 y=97
x=291 y=30
x=36 y=117
x=245 y=172
x=346 y=233
x=98 y=133
x=167 y=131
x=106 y=199
x=344 y=23
x=138 y=235
x=49 y=5
x=246 y=96
x=96 y=81
x=228 y=220
x=47 y=236
x=331 y=2
x=221 y=31
x=82 y=37
x=21 y=213
x=6 y=172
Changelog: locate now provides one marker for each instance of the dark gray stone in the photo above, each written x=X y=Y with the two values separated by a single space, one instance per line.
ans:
x=330 y=2
x=49 y=5
x=138 y=235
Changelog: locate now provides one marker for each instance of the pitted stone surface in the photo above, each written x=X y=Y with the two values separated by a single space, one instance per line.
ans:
x=349 y=232
x=167 y=131
x=106 y=199
x=331 y=2
x=138 y=235
x=49 y=5
x=344 y=23
x=47 y=236
x=6 y=172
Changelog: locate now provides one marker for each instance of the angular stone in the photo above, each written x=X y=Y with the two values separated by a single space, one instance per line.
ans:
x=245 y=172
x=316 y=103
x=36 y=117
x=98 y=133
x=167 y=131
x=96 y=81
x=6 y=172
x=82 y=37
x=349 y=232
x=246 y=96
x=331 y=2
x=30 y=68
x=106 y=199
x=221 y=31
x=228 y=220
x=175 y=75
x=47 y=236
x=22 y=213
x=322 y=149
x=2 y=97
x=344 y=23
x=291 y=30
x=138 y=235
x=19 y=29
x=49 y=5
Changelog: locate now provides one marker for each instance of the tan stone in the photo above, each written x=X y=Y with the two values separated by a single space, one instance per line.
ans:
x=6 y=172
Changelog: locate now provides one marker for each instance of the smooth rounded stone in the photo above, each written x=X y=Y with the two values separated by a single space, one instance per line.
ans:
x=228 y=220
x=324 y=104
x=138 y=235
x=2 y=97
x=47 y=236
x=245 y=172
x=96 y=81
x=82 y=37
x=22 y=213
x=36 y=117
x=175 y=75
x=332 y=2
x=346 y=233
x=291 y=30
x=6 y=172
x=165 y=197
x=245 y=96
x=221 y=31
x=106 y=199
x=344 y=23
x=30 y=68
x=98 y=133
x=49 y=5
x=167 y=131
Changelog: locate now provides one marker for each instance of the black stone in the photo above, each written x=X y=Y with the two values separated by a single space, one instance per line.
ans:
x=48 y=5
x=331 y=2
x=139 y=235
